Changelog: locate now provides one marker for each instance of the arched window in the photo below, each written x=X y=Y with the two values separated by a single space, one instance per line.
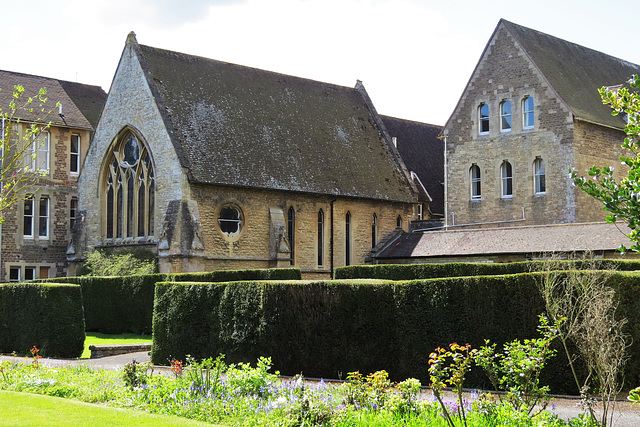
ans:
x=505 y=116
x=539 y=176
x=527 y=112
x=507 y=180
x=483 y=119
x=347 y=239
x=399 y=221
x=476 y=188
x=128 y=189
x=374 y=231
x=320 y=238
x=291 y=233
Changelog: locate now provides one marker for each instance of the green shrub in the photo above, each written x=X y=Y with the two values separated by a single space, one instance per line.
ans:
x=125 y=303
x=329 y=328
x=459 y=269
x=45 y=315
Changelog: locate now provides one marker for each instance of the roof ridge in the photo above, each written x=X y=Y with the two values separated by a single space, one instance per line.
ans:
x=262 y=70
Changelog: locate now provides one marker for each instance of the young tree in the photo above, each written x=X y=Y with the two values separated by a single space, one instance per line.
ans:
x=621 y=199
x=22 y=123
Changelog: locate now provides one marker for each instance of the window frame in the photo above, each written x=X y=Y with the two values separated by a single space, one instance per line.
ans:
x=30 y=216
x=44 y=216
x=238 y=220
x=484 y=119
x=347 y=238
x=528 y=115
x=506 y=175
x=475 y=180
x=374 y=231
x=73 y=212
x=74 y=155
x=320 y=238
x=539 y=177
x=39 y=153
x=128 y=189
x=505 y=116
x=291 y=234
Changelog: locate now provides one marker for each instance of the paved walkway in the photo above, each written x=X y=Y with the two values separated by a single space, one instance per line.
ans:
x=566 y=407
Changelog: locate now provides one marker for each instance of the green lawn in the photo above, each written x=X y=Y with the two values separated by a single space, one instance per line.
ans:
x=24 y=409
x=96 y=338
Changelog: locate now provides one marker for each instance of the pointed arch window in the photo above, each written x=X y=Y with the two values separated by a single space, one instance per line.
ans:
x=539 y=176
x=347 y=239
x=320 y=238
x=374 y=231
x=129 y=189
x=291 y=233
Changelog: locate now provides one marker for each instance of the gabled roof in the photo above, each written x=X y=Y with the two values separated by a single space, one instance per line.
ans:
x=422 y=153
x=241 y=126
x=509 y=240
x=81 y=104
x=575 y=72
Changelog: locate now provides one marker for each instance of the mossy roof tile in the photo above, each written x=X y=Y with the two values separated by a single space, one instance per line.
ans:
x=241 y=126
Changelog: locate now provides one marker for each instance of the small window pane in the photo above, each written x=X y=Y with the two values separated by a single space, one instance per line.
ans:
x=527 y=113
x=505 y=116
x=476 y=189
x=28 y=217
x=484 y=118
x=43 y=218
x=507 y=180
x=74 y=159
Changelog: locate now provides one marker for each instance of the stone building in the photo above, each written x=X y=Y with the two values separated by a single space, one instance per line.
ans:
x=212 y=165
x=37 y=230
x=530 y=112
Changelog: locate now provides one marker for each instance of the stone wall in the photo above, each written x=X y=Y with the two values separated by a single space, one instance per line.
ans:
x=46 y=256
x=130 y=105
x=505 y=73
x=253 y=246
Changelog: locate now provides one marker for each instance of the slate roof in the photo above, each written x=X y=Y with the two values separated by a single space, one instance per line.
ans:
x=241 y=126
x=422 y=153
x=575 y=72
x=509 y=240
x=81 y=104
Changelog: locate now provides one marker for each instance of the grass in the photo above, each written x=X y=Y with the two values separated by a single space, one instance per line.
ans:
x=96 y=338
x=23 y=409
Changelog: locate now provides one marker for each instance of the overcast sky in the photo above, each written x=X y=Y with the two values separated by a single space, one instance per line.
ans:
x=413 y=56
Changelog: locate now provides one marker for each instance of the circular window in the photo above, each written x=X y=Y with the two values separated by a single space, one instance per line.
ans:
x=230 y=220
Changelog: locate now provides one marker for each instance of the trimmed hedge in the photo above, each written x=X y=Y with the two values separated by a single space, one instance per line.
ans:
x=459 y=269
x=45 y=315
x=122 y=304
x=329 y=328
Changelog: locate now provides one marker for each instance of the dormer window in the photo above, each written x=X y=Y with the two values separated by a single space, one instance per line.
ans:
x=505 y=116
x=527 y=112
x=483 y=119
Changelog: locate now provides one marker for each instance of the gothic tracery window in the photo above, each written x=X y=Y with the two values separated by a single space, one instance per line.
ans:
x=129 y=189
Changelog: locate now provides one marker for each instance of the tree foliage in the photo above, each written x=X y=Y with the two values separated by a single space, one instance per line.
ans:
x=621 y=198
x=22 y=123
x=101 y=264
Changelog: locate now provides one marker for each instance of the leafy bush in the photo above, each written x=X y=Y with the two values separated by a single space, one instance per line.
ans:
x=99 y=263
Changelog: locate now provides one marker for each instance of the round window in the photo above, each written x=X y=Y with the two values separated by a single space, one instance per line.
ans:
x=230 y=220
